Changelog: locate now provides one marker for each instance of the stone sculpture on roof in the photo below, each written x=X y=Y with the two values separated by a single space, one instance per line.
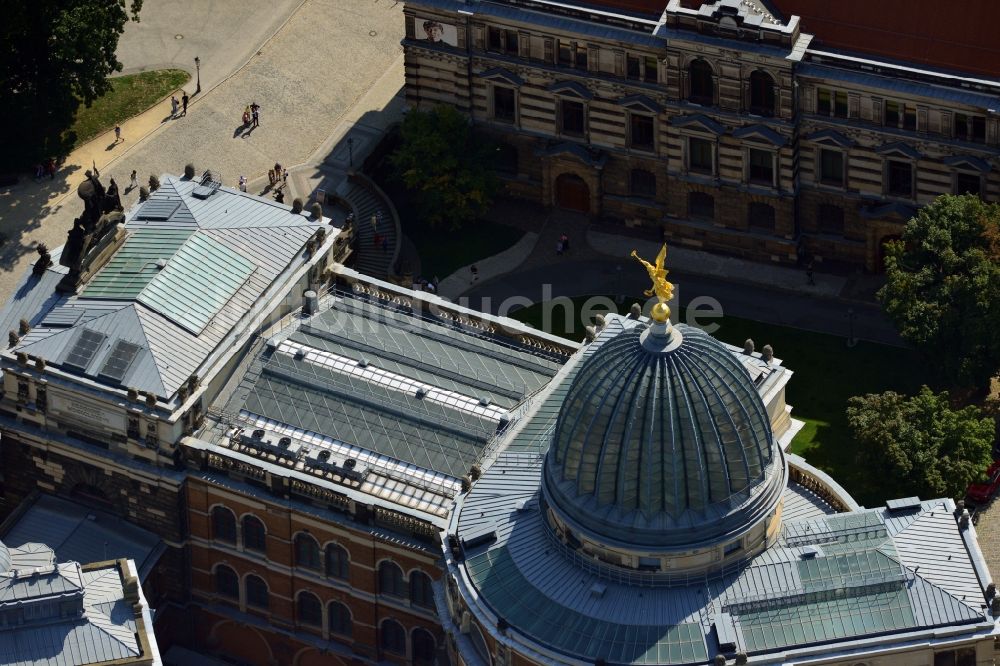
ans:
x=94 y=234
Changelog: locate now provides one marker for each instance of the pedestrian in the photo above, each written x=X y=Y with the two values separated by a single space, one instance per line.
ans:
x=173 y=106
x=133 y=180
x=118 y=133
x=243 y=183
x=809 y=273
x=270 y=176
x=255 y=114
x=379 y=215
x=246 y=116
x=429 y=287
x=39 y=171
x=184 y=103
x=474 y=271
x=559 y=247
x=277 y=172
x=284 y=177
x=565 y=241
x=279 y=196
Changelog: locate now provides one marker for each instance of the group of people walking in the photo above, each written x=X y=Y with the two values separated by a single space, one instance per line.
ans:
x=251 y=115
x=183 y=104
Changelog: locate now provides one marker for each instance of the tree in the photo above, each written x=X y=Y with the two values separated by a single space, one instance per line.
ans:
x=449 y=168
x=920 y=444
x=943 y=286
x=57 y=54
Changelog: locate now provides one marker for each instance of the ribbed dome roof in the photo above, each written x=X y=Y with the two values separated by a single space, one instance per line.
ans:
x=663 y=441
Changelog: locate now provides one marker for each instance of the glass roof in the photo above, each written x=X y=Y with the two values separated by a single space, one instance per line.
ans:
x=200 y=278
x=133 y=266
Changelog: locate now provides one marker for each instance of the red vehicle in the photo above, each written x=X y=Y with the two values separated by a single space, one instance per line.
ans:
x=982 y=492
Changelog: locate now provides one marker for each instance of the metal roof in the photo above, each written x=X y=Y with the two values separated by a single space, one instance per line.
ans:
x=222 y=254
x=830 y=577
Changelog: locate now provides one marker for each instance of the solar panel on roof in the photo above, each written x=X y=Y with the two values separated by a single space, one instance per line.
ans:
x=118 y=362
x=84 y=348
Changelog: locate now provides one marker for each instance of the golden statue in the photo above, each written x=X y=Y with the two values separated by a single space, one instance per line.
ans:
x=662 y=289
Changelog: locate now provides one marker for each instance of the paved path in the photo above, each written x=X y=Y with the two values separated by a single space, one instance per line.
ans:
x=307 y=78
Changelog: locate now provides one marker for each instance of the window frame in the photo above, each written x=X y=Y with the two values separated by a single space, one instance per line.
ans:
x=888 y=190
x=962 y=174
x=563 y=101
x=346 y=627
x=762 y=107
x=699 y=97
x=834 y=103
x=703 y=197
x=231 y=595
x=299 y=564
x=299 y=615
x=772 y=166
x=689 y=155
x=496 y=87
x=424 y=596
x=421 y=660
x=249 y=519
x=251 y=599
x=384 y=643
x=647 y=190
x=633 y=116
x=398 y=586
x=223 y=535
x=343 y=569
x=821 y=177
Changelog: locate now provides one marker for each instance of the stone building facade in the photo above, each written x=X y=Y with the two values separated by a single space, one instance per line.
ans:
x=718 y=122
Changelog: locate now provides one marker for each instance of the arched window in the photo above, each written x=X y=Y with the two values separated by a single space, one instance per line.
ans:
x=701 y=206
x=702 y=82
x=223 y=525
x=761 y=94
x=257 y=595
x=340 y=618
x=309 y=610
x=390 y=579
x=393 y=637
x=338 y=562
x=421 y=592
x=254 y=534
x=424 y=648
x=760 y=216
x=227 y=583
x=307 y=552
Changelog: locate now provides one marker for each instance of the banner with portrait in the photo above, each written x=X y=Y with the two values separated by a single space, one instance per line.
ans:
x=434 y=31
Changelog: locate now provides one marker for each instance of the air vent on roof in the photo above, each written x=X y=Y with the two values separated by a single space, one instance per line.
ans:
x=597 y=590
x=485 y=401
x=300 y=354
x=421 y=392
x=285 y=442
x=362 y=363
x=809 y=552
x=210 y=184
x=479 y=537
x=902 y=505
x=257 y=434
x=350 y=463
x=84 y=349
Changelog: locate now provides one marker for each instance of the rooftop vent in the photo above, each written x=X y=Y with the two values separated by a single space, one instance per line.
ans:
x=209 y=185
x=421 y=392
x=300 y=354
x=485 y=401
x=350 y=463
x=362 y=363
x=285 y=442
x=903 y=505
x=257 y=434
x=597 y=590
x=810 y=552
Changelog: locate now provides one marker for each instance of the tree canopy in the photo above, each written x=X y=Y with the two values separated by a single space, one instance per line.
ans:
x=58 y=53
x=943 y=286
x=446 y=166
x=919 y=445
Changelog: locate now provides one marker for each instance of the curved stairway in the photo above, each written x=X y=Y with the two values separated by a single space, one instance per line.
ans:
x=366 y=200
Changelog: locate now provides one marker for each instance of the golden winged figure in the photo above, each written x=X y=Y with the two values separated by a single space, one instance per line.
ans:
x=662 y=289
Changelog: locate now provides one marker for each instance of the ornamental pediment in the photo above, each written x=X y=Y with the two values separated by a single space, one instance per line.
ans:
x=698 y=121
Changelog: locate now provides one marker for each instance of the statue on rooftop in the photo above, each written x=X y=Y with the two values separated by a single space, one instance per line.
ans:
x=92 y=231
x=662 y=289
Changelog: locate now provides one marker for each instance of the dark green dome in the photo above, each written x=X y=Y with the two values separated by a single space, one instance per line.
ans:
x=663 y=441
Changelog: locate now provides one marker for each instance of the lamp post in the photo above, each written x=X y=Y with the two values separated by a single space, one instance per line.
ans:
x=350 y=150
x=197 y=68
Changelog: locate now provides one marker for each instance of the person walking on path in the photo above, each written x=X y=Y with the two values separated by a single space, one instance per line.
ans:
x=255 y=113
x=246 y=116
x=118 y=133
x=184 y=103
x=243 y=183
x=564 y=239
x=375 y=218
x=474 y=271
x=133 y=181
x=559 y=247
x=809 y=274
x=173 y=106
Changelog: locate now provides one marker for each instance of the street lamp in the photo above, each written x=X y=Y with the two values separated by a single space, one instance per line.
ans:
x=197 y=67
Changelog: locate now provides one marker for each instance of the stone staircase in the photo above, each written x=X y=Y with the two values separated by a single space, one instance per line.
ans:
x=365 y=200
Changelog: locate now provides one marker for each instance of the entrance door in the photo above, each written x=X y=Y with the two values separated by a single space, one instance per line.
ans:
x=572 y=193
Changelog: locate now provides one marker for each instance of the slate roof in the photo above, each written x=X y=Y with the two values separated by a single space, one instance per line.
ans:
x=189 y=270
x=875 y=571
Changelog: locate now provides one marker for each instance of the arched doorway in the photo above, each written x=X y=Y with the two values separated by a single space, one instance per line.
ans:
x=882 y=250
x=572 y=193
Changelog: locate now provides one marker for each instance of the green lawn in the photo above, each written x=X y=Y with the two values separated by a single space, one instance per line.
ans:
x=129 y=96
x=827 y=373
x=444 y=252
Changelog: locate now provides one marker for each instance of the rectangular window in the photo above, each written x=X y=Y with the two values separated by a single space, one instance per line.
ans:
x=572 y=117
x=649 y=74
x=909 y=118
x=892 y=114
x=831 y=102
x=503 y=104
x=641 y=134
x=761 y=166
x=581 y=56
x=565 y=54
x=831 y=167
x=510 y=42
x=494 y=41
x=700 y=153
x=633 y=68
x=967 y=183
x=970 y=128
x=900 y=179
x=900 y=115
